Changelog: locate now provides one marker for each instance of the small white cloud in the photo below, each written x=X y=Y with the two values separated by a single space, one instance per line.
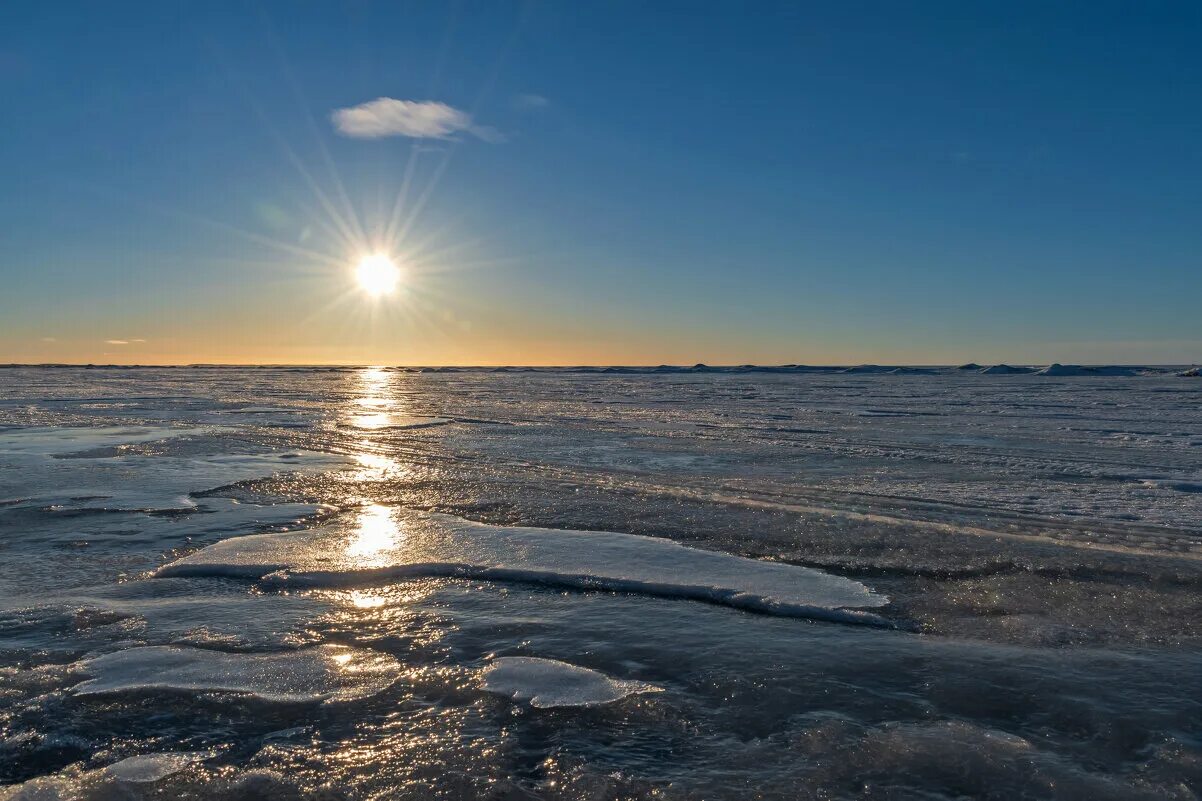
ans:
x=137 y=340
x=417 y=119
x=530 y=102
x=50 y=339
x=116 y=342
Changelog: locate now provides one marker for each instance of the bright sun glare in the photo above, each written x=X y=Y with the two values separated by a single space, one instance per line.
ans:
x=377 y=274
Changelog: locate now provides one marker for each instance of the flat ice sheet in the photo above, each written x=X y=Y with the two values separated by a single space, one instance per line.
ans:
x=324 y=673
x=381 y=542
x=551 y=683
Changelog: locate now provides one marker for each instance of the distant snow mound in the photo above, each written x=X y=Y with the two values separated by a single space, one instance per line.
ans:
x=546 y=683
x=969 y=366
x=868 y=369
x=1005 y=369
x=913 y=371
x=1081 y=370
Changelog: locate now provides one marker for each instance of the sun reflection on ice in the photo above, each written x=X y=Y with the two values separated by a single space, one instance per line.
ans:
x=377 y=467
x=361 y=599
x=375 y=386
x=376 y=533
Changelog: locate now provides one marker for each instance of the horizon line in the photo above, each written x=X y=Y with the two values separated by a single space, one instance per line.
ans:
x=598 y=366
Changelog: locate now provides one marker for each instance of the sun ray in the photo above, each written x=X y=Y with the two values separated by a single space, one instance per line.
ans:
x=302 y=101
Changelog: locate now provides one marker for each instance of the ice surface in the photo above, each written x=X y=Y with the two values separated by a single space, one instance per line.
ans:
x=324 y=673
x=89 y=468
x=1037 y=528
x=395 y=422
x=383 y=542
x=92 y=548
x=63 y=440
x=152 y=767
x=550 y=683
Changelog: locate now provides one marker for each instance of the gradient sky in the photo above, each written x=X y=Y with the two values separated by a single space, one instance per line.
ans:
x=605 y=182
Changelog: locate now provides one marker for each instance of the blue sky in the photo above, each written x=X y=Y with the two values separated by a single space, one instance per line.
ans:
x=602 y=182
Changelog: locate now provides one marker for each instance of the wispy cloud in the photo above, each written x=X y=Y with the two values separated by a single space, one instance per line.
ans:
x=50 y=339
x=529 y=102
x=416 y=119
x=122 y=341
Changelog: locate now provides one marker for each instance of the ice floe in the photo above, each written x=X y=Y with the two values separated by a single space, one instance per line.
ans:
x=550 y=683
x=381 y=543
x=310 y=675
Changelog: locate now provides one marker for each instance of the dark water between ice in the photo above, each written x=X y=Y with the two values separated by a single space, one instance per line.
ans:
x=269 y=583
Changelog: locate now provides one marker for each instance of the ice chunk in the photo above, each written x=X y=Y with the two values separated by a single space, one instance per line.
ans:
x=324 y=673
x=550 y=683
x=381 y=543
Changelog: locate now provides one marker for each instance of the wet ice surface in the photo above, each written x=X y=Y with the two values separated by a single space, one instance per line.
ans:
x=1036 y=537
x=152 y=767
x=112 y=781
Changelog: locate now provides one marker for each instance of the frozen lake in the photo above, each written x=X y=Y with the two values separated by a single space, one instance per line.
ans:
x=377 y=583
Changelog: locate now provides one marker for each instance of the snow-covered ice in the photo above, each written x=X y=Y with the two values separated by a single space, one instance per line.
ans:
x=380 y=543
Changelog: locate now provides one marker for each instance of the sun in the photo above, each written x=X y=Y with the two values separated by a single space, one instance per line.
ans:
x=377 y=274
